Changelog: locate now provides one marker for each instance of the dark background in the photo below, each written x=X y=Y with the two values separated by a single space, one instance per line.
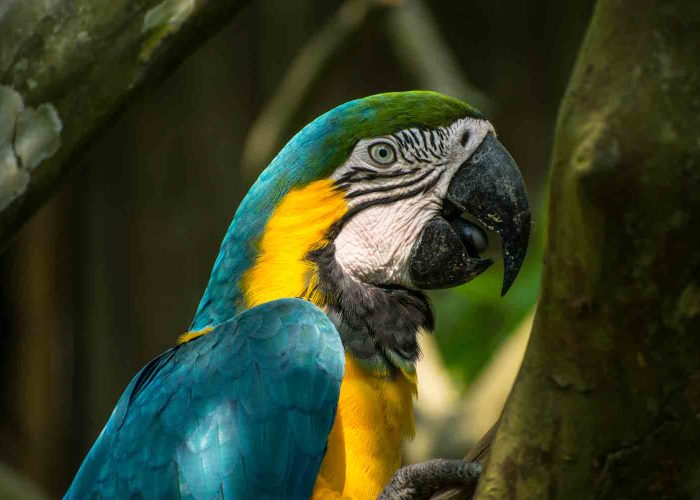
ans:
x=110 y=271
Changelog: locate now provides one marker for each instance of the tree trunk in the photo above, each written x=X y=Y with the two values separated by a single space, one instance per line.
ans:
x=67 y=68
x=607 y=402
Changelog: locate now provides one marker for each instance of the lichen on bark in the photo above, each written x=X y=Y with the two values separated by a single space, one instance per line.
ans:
x=28 y=136
x=82 y=60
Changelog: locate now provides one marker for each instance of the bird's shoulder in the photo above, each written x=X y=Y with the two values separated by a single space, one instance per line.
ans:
x=283 y=336
x=245 y=408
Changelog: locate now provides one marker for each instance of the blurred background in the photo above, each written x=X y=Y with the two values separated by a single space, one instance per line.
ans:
x=110 y=271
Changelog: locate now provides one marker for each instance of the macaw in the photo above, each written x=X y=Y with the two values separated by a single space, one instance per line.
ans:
x=297 y=376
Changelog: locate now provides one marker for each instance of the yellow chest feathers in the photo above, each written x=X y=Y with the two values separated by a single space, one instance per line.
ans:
x=375 y=413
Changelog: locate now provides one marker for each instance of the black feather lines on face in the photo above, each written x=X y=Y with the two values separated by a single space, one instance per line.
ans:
x=376 y=323
x=423 y=145
x=422 y=154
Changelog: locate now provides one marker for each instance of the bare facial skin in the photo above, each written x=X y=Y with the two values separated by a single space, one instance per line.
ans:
x=402 y=178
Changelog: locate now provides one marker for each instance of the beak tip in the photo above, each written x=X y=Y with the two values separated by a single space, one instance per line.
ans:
x=512 y=267
x=505 y=288
x=507 y=283
x=490 y=187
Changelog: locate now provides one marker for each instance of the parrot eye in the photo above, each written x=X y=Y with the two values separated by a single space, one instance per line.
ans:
x=383 y=153
x=465 y=139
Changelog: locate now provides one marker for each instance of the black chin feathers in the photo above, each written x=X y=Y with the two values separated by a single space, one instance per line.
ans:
x=377 y=324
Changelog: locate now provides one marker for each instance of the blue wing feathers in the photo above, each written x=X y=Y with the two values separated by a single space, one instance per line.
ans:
x=242 y=412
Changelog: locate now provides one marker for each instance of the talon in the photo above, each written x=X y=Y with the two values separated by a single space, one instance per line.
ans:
x=421 y=481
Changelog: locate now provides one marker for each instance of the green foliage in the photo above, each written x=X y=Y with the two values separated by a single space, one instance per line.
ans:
x=473 y=319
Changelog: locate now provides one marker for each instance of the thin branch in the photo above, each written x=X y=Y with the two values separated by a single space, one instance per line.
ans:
x=267 y=132
x=13 y=485
x=416 y=40
x=422 y=49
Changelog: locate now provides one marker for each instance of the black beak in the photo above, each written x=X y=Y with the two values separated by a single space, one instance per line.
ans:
x=490 y=188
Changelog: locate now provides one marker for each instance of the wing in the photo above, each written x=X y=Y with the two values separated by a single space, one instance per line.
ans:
x=242 y=412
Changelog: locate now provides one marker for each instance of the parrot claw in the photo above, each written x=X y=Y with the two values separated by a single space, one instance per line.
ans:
x=421 y=481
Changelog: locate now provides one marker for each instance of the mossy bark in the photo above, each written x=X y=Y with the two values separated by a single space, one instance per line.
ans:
x=77 y=62
x=607 y=403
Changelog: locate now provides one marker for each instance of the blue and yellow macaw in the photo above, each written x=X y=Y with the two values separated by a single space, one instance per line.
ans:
x=297 y=376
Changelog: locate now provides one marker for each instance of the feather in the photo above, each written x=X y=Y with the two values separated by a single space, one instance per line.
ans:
x=241 y=412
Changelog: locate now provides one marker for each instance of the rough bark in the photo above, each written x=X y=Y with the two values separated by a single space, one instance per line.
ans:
x=607 y=402
x=67 y=67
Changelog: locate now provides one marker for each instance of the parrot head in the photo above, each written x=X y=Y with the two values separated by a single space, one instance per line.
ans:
x=364 y=209
x=407 y=191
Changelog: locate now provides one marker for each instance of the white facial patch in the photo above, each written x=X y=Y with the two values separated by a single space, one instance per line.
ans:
x=394 y=185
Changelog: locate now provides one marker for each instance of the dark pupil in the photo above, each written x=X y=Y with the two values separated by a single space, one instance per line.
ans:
x=383 y=152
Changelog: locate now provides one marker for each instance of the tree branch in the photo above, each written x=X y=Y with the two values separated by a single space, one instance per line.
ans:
x=607 y=401
x=67 y=68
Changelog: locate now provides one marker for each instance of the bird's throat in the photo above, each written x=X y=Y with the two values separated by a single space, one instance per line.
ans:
x=379 y=325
